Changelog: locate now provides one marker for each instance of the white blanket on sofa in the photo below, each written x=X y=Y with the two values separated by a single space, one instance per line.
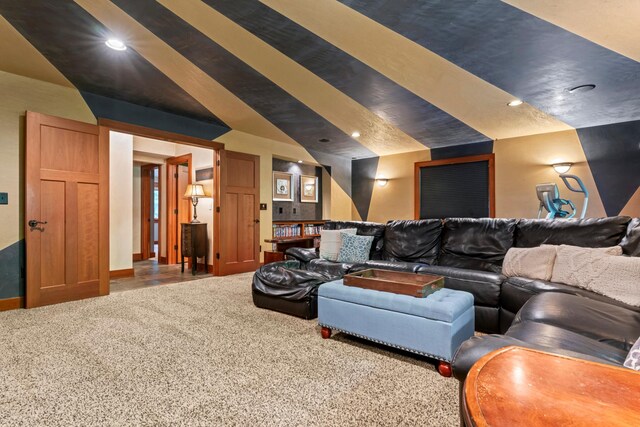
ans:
x=617 y=277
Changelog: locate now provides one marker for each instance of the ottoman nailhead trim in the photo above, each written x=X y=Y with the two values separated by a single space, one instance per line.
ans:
x=421 y=353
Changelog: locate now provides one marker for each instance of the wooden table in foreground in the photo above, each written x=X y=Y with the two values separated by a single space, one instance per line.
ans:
x=515 y=386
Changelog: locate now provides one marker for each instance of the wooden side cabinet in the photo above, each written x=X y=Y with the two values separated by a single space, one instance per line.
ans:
x=194 y=245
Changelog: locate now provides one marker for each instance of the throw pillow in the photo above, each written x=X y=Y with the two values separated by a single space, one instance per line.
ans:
x=534 y=263
x=593 y=269
x=355 y=248
x=331 y=242
x=633 y=358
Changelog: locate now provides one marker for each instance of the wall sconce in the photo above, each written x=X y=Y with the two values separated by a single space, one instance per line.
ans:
x=381 y=182
x=562 y=167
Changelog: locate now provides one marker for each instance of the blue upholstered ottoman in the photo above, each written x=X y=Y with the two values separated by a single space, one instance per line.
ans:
x=434 y=326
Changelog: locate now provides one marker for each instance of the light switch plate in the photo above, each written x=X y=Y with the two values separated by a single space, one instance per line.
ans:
x=4 y=198
x=263 y=206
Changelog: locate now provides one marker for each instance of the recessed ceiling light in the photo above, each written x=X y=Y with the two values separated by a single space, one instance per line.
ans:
x=355 y=134
x=582 y=88
x=324 y=140
x=116 y=44
x=299 y=161
x=515 y=103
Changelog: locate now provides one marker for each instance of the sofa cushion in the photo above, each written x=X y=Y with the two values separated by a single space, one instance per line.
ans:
x=330 y=269
x=598 y=320
x=364 y=229
x=617 y=277
x=412 y=240
x=590 y=232
x=555 y=337
x=278 y=281
x=477 y=244
x=354 y=248
x=536 y=263
x=484 y=285
x=631 y=241
x=409 y=267
x=331 y=242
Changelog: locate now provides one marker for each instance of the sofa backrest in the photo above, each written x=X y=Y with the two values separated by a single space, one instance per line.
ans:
x=412 y=240
x=477 y=244
x=589 y=232
x=364 y=229
x=631 y=241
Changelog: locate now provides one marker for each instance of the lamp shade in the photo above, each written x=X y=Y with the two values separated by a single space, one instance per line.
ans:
x=195 y=190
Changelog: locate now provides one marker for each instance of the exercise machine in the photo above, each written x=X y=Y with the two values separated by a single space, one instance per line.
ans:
x=549 y=197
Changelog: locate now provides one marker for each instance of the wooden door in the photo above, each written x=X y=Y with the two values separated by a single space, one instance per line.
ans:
x=183 y=204
x=146 y=210
x=239 y=213
x=178 y=208
x=66 y=210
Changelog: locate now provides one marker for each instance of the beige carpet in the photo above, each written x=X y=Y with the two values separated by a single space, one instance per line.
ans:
x=201 y=354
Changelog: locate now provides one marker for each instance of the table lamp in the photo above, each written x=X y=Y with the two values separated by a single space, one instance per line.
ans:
x=195 y=191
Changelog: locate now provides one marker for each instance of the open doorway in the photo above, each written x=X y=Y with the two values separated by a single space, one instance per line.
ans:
x=147 y=208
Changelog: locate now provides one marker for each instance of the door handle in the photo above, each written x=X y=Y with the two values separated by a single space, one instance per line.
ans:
x=33 y=225
x=257 y=221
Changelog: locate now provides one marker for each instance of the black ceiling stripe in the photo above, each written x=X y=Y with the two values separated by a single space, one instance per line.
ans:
x=73 y=41
x=421 y=120
x=363 y=177
x=284 y=111
x=526 y=56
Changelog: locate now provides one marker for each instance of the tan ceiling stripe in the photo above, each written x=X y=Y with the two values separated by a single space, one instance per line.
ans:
x=613 y=24
x=192 y=79
x=18 y=56
x=377 y=135
x=468 y=98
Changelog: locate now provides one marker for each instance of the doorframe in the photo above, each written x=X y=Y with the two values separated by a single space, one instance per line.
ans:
x=172 y=223
x=146 y=196
x=107 y=125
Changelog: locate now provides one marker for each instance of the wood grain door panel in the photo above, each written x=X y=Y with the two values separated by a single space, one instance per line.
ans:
x=239 y=189
x=67 y=179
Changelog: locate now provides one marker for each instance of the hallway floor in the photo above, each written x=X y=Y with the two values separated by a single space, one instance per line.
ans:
x=150 y=273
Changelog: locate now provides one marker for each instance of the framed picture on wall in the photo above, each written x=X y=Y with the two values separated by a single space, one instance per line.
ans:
x=204 y=174
x=282 y=187
x=308 y=189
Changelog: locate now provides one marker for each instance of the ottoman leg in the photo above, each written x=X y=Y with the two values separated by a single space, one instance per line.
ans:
x=325 y=332
x=444 y=369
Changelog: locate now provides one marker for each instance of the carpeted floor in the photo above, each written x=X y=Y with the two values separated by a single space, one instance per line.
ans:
x=201 y=354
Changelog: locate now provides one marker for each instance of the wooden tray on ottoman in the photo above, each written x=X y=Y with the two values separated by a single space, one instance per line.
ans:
x=397 y=282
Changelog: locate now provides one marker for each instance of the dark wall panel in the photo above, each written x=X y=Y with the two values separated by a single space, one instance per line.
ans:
x=485 y=147
x=109 y=108
x=12 y=265
x=613 y=153
x=456 y=190
x=363 y=175
x=304 y=211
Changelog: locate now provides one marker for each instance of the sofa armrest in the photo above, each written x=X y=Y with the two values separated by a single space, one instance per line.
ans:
x=304 y=255
x=475 y=347
x=408 y=267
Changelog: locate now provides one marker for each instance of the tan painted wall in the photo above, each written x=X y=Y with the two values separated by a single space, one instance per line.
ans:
x=120 y=200
x=395 y=200
x=633 y=206
x=18 y=95
x=521 y=163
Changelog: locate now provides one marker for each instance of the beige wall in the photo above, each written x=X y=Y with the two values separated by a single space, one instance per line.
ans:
x=521 y=163
x=120 y=201
x=136 y=244
x=18 y=95
x=395 y=200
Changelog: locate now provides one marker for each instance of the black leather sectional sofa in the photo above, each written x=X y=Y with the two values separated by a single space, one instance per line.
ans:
x=469 y=254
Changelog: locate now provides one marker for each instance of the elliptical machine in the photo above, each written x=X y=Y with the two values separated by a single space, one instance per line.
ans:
x=550 y=200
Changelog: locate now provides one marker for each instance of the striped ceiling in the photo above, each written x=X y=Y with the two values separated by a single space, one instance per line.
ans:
x=406 y=74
